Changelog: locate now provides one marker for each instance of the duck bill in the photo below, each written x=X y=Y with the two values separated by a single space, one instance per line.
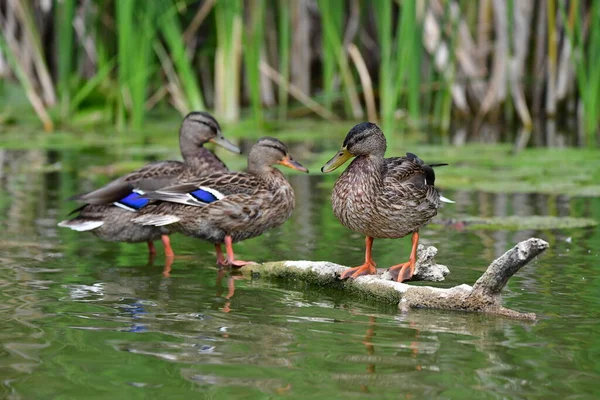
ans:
x=288 y=162
x=226 y=144
x=339 y=159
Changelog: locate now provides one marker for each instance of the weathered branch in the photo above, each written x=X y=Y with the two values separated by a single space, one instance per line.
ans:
x=483 y=296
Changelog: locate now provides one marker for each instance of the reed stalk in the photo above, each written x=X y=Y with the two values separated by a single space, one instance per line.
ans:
x=284 y=57
x=228 y=18
x=253 y=40
x=331 y=20
x=370 y=52
x=383 y=16
x=407 y=61
x=172 y=33
x=33 y=46
x=586 y=65
x=331 y=13
x=25 y=79
x=552 y=59
x=65 y=32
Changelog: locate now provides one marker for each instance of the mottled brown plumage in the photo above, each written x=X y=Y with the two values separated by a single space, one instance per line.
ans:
x=110 y=222
x=237 y=206
x=381 y=197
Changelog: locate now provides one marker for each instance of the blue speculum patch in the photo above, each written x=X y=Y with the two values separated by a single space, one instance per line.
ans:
x=133 y=200
x=204 y=196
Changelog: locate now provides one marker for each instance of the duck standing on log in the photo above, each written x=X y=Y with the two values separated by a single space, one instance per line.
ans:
x=382 y=197
x=228 y=207
x=109 y=210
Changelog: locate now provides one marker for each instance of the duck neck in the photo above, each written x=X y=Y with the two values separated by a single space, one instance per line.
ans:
x=266 y=172
x=193 y=153
x=368 y=169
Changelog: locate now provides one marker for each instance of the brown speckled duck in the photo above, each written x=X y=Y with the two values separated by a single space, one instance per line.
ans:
x=228 y=207
x=382 y=197
x=109 y=210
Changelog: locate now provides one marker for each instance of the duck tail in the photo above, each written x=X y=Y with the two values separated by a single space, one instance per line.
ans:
x=80 y=225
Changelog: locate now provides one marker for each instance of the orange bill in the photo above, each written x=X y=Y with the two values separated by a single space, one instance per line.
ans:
x=291 y=163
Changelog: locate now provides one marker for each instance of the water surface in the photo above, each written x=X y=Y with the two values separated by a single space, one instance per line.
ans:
x=84 y=318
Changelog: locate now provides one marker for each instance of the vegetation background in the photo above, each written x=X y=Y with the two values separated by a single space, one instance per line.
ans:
x=404 y=63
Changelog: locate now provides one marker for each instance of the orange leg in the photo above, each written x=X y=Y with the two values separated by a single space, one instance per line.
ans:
x=230 y=289
x=151 y=248
x=221 y=260
x=167 y=245
x=403 y=272
x=167 y=268
x=368 y=268
x=231 y=257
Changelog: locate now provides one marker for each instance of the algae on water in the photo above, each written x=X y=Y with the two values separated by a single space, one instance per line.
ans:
x=516 y=222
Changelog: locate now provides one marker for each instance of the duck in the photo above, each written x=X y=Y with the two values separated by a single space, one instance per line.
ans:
x=228 y=207
x=107 y=212
x=382 y=198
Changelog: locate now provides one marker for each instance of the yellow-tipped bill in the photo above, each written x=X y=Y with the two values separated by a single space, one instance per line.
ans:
x=293 y=164
x=226 y=144
x=339 y=159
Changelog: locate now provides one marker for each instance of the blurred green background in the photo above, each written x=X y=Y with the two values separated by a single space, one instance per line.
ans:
x=409 y=65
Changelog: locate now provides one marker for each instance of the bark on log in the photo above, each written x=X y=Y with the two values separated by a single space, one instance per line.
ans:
x=484 y=296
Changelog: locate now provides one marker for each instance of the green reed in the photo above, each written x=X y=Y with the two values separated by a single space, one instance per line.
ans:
x=253 y=48
x=143 y=60
x=171 y=31
x=228 y=19
x=586 y=57
x=284 y=44
x=331 y=17
x=65 y=41
x=331 y=21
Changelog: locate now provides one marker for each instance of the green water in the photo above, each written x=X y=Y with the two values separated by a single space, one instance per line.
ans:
x=88 y=319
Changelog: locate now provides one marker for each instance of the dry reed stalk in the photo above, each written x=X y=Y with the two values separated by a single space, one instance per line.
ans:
x=523 y=12
x=173 y=87
x=197 y=21
x=267 y=91
x=539 y=63
x=301 y=51
x=496 y=92
x=34 y=49
x=566 y=71
x=297 y=93
x=552 y=59
x=365 y=80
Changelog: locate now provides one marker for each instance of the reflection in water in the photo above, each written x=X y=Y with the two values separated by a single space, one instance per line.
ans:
x=78 y=313
x=545 y=133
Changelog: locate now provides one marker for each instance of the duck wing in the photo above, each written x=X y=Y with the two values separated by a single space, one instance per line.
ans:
x=150 y=177
x=207 y=190
x=232 y=198
x=409 y=177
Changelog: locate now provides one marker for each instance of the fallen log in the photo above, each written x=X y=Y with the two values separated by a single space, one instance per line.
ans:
x=484 y=296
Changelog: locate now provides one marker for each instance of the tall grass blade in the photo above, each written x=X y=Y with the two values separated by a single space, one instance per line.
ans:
x=65 y=32
x=331 y=19
x=284 y=56
x=9 y=49
x=383 y=15
x=34 y=44
x=172 y=33
x=89 y=86
x=587 y=74
x=142 y=65
x=409 y=54
x=124 y=15
x=254 y=39
x=228 y=18
x=331 y=12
